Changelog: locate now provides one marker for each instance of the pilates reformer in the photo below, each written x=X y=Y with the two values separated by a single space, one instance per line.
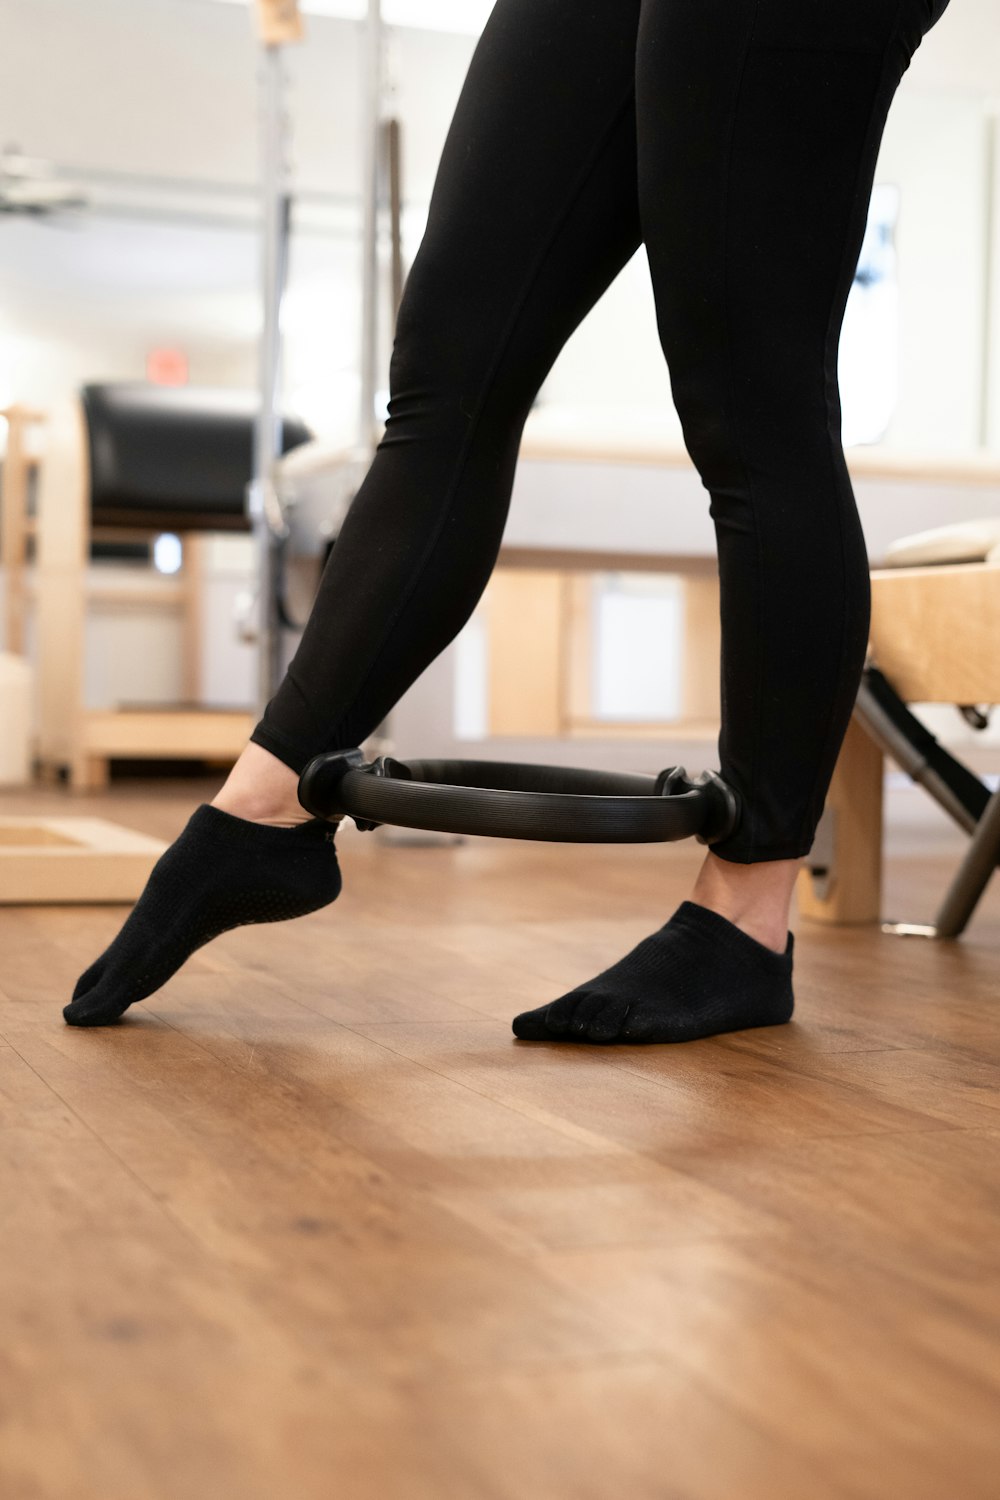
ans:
x=935 y=617
x=125 y=461
x=966 y=798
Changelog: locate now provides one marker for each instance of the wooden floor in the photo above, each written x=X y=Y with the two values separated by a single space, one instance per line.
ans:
x=311 y=1224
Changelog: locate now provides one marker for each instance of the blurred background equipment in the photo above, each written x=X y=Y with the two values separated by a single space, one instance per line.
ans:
x=128 y=460
x=31 y=186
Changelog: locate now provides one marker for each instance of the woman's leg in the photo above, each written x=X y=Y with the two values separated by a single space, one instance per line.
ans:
x=753 y=235
x=759 y=124
x=758 y=129
x=533 y=214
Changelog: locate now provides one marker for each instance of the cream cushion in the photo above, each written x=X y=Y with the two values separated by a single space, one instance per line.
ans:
x=965 y=541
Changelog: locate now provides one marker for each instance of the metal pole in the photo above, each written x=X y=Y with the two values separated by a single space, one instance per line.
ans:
x=988 y=406
x=372 y=112
x=979 y=864
x=371 y=125
x=263 y=507
x=394 y=154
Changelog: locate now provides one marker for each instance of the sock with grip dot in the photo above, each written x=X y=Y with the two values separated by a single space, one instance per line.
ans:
x=697 y=976
x=221 y=872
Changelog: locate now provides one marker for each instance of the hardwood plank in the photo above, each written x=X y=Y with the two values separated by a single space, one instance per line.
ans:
x=661 y=1100
x=254 y=1170
x=311 y=1218
x=644 y=1429
x=953 y=1088
x=888 y=1385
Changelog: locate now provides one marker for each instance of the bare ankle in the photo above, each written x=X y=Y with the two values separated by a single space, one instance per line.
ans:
x=755 y=897
x=260 y=787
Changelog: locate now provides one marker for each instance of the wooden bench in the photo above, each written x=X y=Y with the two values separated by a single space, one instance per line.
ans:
x=935 y=634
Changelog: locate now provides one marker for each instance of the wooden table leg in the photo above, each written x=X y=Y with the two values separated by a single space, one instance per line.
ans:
x=841 y=878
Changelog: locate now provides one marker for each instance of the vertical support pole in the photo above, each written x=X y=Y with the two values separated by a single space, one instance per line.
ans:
x=577 y=707
x=841 y=879
x=395 y=171
x=371 y=134
x=14 y=522
x=372 y=112
x=62 y=549
x=263 y=507
x=701 y=696
x=279 y=23
x=974 y=873
x=193 y=581
x=989 y=409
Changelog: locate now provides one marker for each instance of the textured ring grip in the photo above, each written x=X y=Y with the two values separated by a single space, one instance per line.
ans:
x=502 y=799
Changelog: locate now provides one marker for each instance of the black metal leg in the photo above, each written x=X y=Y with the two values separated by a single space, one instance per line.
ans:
x=973 y=874
x=962 y=795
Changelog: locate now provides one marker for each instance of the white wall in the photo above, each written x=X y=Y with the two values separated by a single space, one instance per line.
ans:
x=166 y=88
x=934 y=148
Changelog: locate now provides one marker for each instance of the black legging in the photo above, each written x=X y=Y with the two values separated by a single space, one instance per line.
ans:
x=738 y=140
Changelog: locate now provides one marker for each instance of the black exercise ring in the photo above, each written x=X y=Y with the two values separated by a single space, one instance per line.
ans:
x=502 y=799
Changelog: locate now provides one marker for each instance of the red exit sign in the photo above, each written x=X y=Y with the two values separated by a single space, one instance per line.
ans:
x=167 y=367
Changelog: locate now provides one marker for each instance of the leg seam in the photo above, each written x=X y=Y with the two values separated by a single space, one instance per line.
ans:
x=755 y=754
x=886 y=53
x=487 y=386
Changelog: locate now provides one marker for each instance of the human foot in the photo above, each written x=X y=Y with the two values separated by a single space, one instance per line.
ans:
x=697 y=976
x=222 y=872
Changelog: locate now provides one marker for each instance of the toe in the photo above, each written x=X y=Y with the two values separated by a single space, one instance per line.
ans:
x=559 y=1015
x=530 y=1025
x=549 y=1022
x=89 y=978
x=92 y=1009
x=607 y=1021
x=588 y=1004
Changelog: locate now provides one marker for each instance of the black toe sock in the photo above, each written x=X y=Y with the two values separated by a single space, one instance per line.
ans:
x=697 y=976
x=221 y=872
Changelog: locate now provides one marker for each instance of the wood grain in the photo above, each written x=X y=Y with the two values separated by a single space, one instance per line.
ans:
x=850 y=886
x=934 y=631
x=15 y=523
x=311 y=1222
x=72 y=859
